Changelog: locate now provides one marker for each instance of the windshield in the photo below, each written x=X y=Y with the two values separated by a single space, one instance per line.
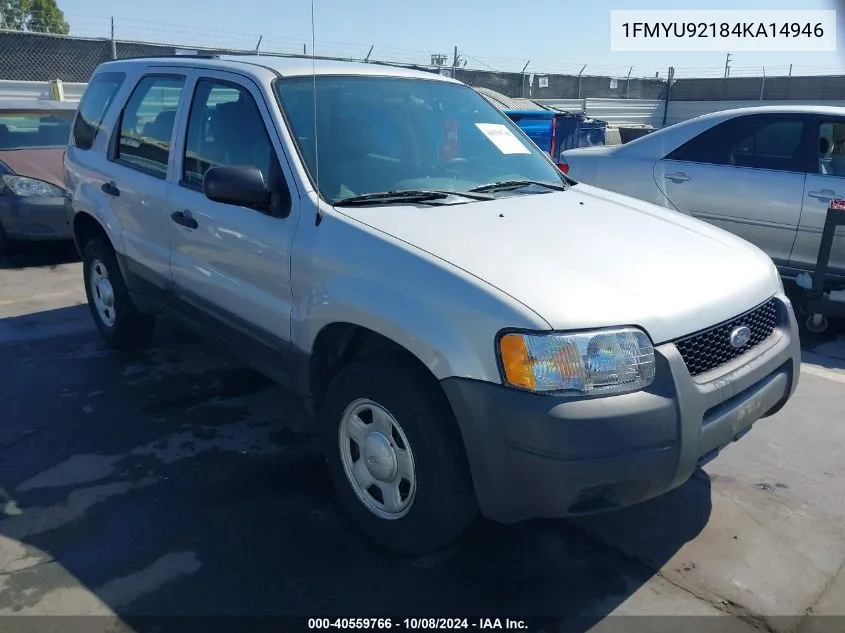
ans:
x=380 y=134
x=35 y=129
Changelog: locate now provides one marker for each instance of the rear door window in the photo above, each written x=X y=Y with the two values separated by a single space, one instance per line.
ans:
x=832 y=148
x=147 y=122
x=95 y=103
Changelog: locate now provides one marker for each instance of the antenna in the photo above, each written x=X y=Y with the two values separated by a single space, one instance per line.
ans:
x=314 y=97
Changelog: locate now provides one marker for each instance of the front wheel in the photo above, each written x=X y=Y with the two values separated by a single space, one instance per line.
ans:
x=816 y=323
x=118 y=320
x=395 y=455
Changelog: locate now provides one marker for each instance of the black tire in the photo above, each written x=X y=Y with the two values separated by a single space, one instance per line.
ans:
x=130 y=328
x=444 y=505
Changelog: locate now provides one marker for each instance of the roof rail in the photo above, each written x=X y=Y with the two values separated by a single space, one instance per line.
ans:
x=169 y=55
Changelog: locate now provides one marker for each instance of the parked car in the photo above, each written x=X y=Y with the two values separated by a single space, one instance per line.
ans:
x=471 y=329
x=765 y=173
x=33 y=136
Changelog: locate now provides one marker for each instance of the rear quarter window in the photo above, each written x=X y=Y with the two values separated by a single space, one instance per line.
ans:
x=95 y=104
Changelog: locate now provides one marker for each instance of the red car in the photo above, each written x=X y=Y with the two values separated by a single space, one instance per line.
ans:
x=33 y=137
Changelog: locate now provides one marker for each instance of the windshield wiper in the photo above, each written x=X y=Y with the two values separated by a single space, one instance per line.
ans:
x=405 y=196
x=505 y=185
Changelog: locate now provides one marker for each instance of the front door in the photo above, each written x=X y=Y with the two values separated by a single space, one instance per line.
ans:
x=745 y=175
x=231 y=263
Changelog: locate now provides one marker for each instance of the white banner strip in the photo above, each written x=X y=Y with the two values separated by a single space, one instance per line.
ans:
x=724 y=31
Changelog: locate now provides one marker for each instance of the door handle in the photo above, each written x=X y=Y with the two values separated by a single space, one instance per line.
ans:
x=184 y=218
x=678 y=176
x=110 y=188
x=824 y=194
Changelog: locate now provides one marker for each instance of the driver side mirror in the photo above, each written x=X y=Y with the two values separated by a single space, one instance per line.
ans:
x=239 y=185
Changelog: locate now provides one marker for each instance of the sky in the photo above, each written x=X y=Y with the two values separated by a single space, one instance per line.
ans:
x=501 y=35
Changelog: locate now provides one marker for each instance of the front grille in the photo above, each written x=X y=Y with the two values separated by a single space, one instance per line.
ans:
x=712 y=348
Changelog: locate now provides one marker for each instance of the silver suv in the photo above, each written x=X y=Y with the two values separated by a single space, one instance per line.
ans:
x=472 y=330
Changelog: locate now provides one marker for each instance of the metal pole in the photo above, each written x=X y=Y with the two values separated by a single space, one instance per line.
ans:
x=763 y=85
x=580 y=72
x=113 y=43
x=455 y=64
x=628 y=81
x=367 y=58
x=305 y=49
x=668 y=94
x=789 y=81
x=258 y=46
x=727 y=65
x=523 y=77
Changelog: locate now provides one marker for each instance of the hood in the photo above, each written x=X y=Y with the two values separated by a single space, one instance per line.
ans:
x=45 y=164
x=586 y=258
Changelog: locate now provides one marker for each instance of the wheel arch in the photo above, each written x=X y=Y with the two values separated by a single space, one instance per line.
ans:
x=86 y=227
x=339 y=343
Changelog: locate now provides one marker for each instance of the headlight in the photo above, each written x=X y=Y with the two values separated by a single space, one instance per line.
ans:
x=611 y=361
x=25 y=187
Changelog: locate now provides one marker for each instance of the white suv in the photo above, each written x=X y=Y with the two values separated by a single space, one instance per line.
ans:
x=473 y=330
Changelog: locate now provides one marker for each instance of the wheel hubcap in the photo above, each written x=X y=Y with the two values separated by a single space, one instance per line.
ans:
x=377 y=459
x=102 y=292
x=380 y=457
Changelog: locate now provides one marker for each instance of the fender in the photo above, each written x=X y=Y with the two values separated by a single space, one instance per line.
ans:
x=405 y=319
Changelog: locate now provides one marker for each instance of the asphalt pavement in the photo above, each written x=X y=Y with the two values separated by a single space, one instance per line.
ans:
x=176 y=482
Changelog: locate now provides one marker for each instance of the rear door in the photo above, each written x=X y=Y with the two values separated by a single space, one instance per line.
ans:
x=135 y=176
x=824 y=183
x=745 y=175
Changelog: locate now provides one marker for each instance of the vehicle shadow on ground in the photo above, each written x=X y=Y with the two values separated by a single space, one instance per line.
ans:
x=176 y=482
x=39 y=255
x=823 y=360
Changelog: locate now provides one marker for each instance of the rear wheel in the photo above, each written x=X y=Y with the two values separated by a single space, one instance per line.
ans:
x=395 y=455
x=119 y=322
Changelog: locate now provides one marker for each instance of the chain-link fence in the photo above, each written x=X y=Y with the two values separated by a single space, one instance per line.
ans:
x=778 y=88
x=27 y=56
x=42 y=57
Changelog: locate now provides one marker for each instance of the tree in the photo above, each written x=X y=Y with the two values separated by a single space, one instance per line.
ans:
x=37 y=16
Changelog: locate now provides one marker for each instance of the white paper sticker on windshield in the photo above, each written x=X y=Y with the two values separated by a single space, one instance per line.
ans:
x=502 y=138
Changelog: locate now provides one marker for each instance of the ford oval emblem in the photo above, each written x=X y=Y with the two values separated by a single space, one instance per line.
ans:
x=740 y=336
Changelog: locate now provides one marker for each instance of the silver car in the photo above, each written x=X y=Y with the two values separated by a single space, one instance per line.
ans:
x=471 y=330
x=765 y=173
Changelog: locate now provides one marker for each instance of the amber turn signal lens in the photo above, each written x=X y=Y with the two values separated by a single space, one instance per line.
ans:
x=516 y=361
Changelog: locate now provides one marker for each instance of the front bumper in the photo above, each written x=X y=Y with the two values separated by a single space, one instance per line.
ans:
x=34 y=218
x=537 y=456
